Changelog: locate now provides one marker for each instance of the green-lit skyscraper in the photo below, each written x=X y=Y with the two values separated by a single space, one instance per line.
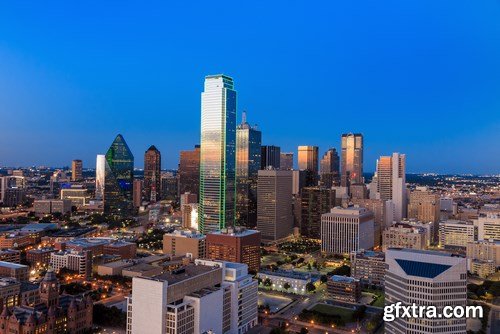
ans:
x=217 y=154
x=248 y=155
x=118 y=179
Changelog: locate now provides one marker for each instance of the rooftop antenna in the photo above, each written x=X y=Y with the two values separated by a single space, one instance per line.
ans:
x=244 y=117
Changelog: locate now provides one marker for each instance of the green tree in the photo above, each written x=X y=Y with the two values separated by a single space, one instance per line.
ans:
x=310 y=287
x=304 y=330
x=286 y=286
x=268 y=282
x=324 y=279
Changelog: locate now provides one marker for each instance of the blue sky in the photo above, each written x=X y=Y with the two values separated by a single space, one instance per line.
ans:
x=421 y=77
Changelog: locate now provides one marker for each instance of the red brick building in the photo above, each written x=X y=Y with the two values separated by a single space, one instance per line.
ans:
x=241 y=246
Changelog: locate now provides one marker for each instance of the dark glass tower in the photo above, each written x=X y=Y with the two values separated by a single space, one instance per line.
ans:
x=270 y=157
x=329 y=169
x=118 y=179
x=152 y=174
x=248 y=141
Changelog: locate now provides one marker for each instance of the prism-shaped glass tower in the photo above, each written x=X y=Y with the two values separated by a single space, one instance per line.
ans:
x=119 y=177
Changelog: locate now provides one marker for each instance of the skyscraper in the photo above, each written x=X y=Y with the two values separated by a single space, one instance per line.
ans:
x=217 y=155
x=100 y=174
x=425 y=278
x=391 y=182
x=286 y=160
x=152 y=174
x=315 y=201
x=270 y=157
x=76 y=170
x=352 y=159
x=189 y=171
x=118 y=179
x=248 y=143
x=308 y=161
x=274 y=208
x=329 y=168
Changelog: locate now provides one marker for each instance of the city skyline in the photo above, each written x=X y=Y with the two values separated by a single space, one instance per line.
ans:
x=132 y=71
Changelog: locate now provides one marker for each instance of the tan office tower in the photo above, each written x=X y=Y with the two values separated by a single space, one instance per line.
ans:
x=352 y=159
x=391 y=182
x=286 y=160
x=274 y=204
x=76 y=170
x=308 y=161
x=189 y=171
x=152 y=174
x=424 y=206
x=329 y=169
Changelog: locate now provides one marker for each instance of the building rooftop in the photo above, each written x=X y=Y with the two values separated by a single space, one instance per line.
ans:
x=184 y=273
x=421 y=251
x=287 y=274
x=235 y=232
x=343 y=279
x=12 y=265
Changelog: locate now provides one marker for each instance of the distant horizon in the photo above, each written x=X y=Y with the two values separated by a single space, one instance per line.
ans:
x=418 y=77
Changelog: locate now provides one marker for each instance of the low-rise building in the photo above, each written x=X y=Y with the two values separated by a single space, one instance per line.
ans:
x=49 y=206
x=344 y=288
x=14 y=270
x=10 y=255
x=455 y=234
x=80 y=262
x=368 y=267
x=183 y=243
x=404 y=236
x=483 y=257
x=285 y=280
x=39 y=256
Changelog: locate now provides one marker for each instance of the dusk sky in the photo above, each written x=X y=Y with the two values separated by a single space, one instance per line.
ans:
x=420 y=77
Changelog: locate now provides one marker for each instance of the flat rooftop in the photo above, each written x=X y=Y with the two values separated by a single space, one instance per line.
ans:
x=235 y=233
x=343 y=279
x=426 y=252
x=12 y=265
x=184 y=273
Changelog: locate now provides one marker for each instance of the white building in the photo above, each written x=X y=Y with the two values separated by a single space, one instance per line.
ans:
x=488 y=227
x=347 y=230
x=456 y=233
x=281 y=279
x=80 y=262
x=425 y=278
x=215 y=296
x=100 y=176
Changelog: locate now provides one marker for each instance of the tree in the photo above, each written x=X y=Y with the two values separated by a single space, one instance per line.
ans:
x=324 y=279
x=268 y=282
x=304 y=330
x=310 y=287
x=286 y=286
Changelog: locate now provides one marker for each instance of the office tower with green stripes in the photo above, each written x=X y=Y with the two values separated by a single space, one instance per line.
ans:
x=217 y=154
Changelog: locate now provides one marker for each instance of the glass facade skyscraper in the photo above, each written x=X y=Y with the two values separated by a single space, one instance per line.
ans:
x=352 y=159
x=308 y=161
x=100 y=173
x=118 y=179
x=152 y=174
x=217 y=154
x=329 y=169
x=248 y=156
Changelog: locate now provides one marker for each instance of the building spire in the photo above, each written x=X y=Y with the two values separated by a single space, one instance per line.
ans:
x=244 y=117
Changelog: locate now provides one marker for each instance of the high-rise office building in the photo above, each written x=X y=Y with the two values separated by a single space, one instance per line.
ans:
x=425 y=278
x=425 y=206
x=308 y=161
x=100 y=175
x=138 y=190
x=118 y=179
x=189 y=171
x=248 y=152
x=315 y=201
x=391 y=182
x=217 y=155
x=270 y=157
x=352 y=159
x=76 y=170
x=403 y=235
x=274 y=204
x=329 y=169
x=347 y=230
x=286 y=160
x=169 y=186
x=205 y=297
x=152 y=174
